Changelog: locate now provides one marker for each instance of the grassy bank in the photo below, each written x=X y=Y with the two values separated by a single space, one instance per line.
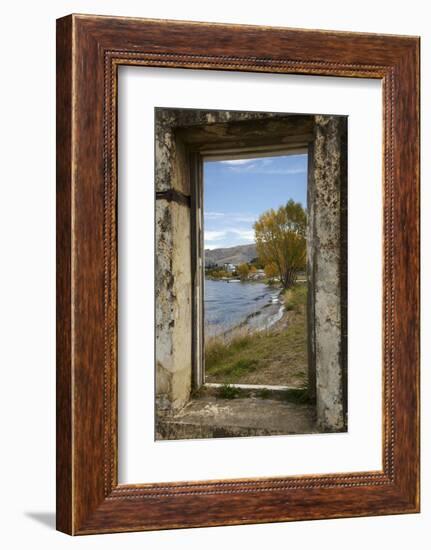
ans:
x=277 y=356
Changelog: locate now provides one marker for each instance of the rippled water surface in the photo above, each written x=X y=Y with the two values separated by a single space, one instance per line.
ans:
x=231 y=304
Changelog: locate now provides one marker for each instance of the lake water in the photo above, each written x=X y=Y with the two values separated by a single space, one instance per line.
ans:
x=231 y=304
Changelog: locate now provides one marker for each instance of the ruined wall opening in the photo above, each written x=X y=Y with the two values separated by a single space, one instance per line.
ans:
x=241 y=362
x=254 y=226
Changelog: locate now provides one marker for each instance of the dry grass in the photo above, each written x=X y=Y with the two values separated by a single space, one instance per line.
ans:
x=277 y=356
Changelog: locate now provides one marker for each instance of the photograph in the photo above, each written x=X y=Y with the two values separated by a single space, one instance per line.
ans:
x=237 y=269
x=251 y=223
x=214 y=235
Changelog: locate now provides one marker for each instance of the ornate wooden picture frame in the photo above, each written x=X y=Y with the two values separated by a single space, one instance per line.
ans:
x=89 y=51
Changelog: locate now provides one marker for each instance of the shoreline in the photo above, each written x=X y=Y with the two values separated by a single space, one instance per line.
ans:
x=264 y=280
x=253 y=321
x=267 y=348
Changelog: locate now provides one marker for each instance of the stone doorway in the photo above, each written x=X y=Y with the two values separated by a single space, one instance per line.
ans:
x=186 y=406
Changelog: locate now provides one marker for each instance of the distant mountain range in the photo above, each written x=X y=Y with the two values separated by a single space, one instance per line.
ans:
x=232 y=255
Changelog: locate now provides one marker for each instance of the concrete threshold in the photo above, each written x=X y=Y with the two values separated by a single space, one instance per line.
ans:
x=214 y=417
x=254 y=386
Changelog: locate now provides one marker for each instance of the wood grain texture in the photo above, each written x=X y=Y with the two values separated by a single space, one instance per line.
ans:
x=90 y=49
x=64 y=495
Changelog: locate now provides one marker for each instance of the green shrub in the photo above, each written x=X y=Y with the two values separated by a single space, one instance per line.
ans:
x=299 y=396
x=228 y=392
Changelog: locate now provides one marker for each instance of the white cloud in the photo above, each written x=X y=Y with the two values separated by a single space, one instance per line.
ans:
x=235 y=162
x=286 y=171
x=230 y=217
x=228 y=233
x=214 y=235
x=263 y=166
x=244 y=234
x=213 y=215
x=258 y=168
x=244 y=218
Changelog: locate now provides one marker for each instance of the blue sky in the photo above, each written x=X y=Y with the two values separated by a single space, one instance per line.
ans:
x=236 y=192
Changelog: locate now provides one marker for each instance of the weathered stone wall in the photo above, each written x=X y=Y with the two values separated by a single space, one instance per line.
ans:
x=173 y=284
x=311 y=238
x=326 y=271
x=326 y=250
x=173 y=298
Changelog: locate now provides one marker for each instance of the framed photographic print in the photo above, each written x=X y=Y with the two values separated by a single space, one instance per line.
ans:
x=237 y=274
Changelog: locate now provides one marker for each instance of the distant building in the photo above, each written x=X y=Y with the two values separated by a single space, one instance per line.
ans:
x=259 y=274
x=229 y=267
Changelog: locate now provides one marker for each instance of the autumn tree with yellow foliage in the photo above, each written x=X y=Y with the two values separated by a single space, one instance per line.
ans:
x=271 y=271
x=280 y=237
x=243 y=271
